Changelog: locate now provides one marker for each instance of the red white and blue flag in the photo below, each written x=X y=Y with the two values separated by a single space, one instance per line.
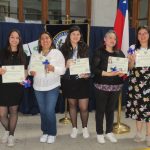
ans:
x=121 y=26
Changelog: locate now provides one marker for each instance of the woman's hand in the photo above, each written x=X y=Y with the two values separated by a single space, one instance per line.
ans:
x=50 y=68
x=2 y=71
x=32 y=73
x=131 y=59
x=84 y=75
x=69 y=63
x=121 y=74
x=113 y=73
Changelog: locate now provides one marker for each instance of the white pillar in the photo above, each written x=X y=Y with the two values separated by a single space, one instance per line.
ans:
x=103 y=13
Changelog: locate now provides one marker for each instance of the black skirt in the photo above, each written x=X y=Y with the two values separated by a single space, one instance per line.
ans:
x=75 y=88
x=11 y=94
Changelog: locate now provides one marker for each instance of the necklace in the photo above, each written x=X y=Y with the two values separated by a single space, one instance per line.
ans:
x=45 y=53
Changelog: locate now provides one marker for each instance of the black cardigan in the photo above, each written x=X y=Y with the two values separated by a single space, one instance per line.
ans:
x=12 y=59
x=99 y=64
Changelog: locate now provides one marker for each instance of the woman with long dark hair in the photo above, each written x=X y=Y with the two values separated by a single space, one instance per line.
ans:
x=138 y=102
x=74 y=87
x=11 y=93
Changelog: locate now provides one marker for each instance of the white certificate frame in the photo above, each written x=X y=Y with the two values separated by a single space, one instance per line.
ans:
x=37 y=64
x=119 y=63
x=142 y=58
x=80 y=66
x=13 y=74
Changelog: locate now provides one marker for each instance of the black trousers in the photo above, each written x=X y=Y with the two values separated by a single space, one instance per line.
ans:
x=105 y=105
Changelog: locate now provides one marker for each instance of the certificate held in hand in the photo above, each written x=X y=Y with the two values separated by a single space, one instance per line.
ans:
x=37 y=64
x=119 y=63
x=142 y=58
x=13 y=74
x=80 y=66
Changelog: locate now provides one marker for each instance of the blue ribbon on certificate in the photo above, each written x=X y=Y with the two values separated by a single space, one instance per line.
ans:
x=131 y=51
x=113 y=69
x=46 y=62
x=26 y=83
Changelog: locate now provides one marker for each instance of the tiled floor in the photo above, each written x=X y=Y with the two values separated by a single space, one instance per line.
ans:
x=28 y=133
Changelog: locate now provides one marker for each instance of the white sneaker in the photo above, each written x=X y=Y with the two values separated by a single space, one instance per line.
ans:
x=111 y=137
x=100 y=138
x=85 y=133
x=43 y=138
x=11 y=141
x=51 y=139
x=74 y=133
x=4 y=138
x=138 y=137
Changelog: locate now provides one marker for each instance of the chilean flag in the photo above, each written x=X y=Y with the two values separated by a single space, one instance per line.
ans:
x=121 y=26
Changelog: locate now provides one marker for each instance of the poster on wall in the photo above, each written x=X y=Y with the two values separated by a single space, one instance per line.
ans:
x=30 y=48
x=60 y=31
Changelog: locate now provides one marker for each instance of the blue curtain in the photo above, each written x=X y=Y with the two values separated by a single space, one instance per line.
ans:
x=31 y=32
x=96 y=39
x=97 y=35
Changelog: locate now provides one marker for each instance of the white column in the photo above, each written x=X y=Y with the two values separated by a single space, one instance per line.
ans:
x=103 y=13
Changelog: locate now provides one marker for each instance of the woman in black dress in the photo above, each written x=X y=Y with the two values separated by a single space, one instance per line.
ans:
x=11 y=93
x=75 y=88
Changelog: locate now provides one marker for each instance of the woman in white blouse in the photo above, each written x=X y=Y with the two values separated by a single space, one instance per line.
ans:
x=46 y=83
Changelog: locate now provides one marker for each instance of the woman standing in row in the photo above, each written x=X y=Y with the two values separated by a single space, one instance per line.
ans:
x=76 y=87
x=46 y=84
x=138 y=102
x=11 y=93
x=107 y=86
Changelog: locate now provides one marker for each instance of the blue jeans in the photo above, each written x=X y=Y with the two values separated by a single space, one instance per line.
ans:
x=47 y=102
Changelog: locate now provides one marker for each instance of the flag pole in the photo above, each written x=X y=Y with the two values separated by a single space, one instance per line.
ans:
x=66 y=120
x=121 y=27
x=118 y=127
